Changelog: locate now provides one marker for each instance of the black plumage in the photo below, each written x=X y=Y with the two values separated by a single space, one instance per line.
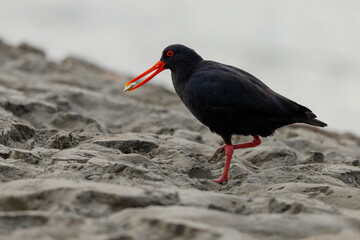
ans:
x=228 y=100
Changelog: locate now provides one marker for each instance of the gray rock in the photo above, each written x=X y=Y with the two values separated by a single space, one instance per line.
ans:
x=26 y=156
x=316 y=157
x=130 y=143
x=77 y=153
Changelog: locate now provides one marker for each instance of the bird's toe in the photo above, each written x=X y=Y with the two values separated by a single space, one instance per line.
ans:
x=221 y=180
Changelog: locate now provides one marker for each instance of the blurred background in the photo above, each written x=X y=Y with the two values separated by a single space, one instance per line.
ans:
x=305 y=50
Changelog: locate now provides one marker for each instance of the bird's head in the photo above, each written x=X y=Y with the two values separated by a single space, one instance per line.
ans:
x=173 y=57
x=177 y=55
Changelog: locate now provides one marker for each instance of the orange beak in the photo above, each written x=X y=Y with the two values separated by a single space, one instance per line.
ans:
x=131 y=85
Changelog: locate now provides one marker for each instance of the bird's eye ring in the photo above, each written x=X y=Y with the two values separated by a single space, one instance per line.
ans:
x=169 y=53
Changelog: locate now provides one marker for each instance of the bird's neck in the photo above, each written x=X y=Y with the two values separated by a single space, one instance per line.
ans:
x=181 y=74
x=180 y=77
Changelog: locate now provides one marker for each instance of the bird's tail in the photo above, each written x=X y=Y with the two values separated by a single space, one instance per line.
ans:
x=310 y=118
x=315 y=122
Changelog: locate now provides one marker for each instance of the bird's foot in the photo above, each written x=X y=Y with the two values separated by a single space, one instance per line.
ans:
x=221 y=180
x=218 y=155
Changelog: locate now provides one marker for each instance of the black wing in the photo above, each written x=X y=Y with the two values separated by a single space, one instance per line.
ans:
x=218 y=86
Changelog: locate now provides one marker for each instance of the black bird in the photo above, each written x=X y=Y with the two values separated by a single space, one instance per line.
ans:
x=226 y=99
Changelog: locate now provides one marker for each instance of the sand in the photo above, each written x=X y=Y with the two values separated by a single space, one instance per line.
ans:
x=80 y=159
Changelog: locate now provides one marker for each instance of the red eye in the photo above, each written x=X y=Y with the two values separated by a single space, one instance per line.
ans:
x=169 y=53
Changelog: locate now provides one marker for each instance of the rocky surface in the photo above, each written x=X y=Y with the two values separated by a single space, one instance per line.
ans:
x=80 y=159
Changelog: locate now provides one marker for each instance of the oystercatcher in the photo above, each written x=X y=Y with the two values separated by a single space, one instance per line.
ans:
x=226 y=99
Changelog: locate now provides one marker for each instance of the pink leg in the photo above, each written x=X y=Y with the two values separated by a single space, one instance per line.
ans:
x=229 y=150
x=255 y=142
